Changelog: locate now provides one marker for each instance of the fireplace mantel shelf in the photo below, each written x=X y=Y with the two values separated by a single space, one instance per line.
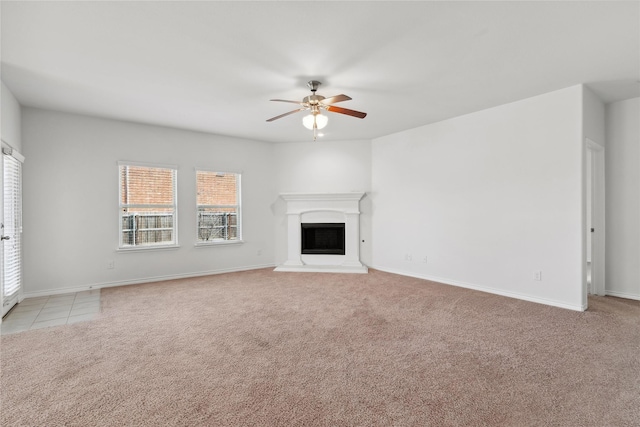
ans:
x=357 y=196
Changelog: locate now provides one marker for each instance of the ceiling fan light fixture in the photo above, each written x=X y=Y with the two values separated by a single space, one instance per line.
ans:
x=314 y=103
x=315 y=121
x=321 y=121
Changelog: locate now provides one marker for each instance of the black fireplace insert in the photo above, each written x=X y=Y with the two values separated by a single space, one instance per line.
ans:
x=322 y=239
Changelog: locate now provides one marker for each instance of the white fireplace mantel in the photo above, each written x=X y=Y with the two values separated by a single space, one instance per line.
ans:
x=323 y=208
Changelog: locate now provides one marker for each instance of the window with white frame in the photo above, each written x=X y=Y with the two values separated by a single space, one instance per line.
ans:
x=218 y=207
x=148 y=206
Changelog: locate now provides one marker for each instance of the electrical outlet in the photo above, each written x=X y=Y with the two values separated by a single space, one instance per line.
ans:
x=408 y=257
x=111 y=264
x=259 y=252
x=537 y=276
x=424 y=260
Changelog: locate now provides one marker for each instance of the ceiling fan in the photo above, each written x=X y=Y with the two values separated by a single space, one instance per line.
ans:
x=314 y=103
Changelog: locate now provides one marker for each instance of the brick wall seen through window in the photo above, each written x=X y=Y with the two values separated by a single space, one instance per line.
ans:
x=218 y=206
x=147 y=206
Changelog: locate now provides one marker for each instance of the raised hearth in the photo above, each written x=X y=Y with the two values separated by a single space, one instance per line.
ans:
x=331 y=211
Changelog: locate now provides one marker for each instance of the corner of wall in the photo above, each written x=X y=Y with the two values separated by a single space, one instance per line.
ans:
x=11 y=118
x=593 y=117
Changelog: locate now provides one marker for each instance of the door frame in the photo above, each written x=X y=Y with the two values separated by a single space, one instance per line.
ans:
x=595 y=183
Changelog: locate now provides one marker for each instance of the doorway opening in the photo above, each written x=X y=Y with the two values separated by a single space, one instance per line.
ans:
x=594 y=262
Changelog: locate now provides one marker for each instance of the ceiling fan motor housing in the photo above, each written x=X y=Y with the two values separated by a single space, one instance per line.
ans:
x=312 y=99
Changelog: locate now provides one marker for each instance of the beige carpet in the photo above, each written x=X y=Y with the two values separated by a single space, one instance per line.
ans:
x=303 y=349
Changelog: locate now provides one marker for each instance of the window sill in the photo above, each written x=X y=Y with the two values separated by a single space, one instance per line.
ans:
x=148 y=248
x=219 y=243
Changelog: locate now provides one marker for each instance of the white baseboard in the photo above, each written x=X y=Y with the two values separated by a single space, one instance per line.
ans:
x=486 y=289
x=622 y=294
x=92 y=286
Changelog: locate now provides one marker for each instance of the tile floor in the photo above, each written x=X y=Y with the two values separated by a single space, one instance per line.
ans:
x=54 y=310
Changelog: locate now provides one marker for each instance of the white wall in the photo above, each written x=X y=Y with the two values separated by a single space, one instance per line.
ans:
x=331 y=167
x=489 y=198
x=623 y=199
x=71 y=199
x=10 y=119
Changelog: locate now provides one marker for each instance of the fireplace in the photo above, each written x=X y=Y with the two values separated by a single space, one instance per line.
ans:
x=322 y=238
x=323 y=233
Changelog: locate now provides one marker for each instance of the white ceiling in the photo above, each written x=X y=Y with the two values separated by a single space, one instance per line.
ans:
x=213 y=66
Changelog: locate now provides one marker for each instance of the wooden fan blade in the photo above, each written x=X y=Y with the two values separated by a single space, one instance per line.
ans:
x=334 y=99
x=286 y=100
x=285 y=114
x=346 y=111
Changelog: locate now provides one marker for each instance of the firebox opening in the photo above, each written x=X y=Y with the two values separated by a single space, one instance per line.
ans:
x=322 y=239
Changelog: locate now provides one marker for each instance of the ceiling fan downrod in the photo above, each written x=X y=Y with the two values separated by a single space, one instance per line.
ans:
x=313 y=85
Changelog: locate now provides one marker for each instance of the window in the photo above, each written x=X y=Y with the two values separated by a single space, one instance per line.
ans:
x=147 y=206
x=218 y=206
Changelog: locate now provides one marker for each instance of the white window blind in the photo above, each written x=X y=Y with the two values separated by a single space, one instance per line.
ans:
x=148 y=206
x=218 y=207
x=12 y=229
